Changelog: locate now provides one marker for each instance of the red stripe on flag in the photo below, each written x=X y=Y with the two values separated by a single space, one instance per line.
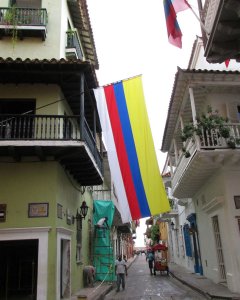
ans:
x=121 y=152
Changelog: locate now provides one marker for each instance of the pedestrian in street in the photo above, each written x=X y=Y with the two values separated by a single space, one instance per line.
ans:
x=88 y=276
x=120 y=271
x=151 y=259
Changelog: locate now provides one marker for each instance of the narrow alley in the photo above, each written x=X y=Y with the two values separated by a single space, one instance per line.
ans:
x=140 y=285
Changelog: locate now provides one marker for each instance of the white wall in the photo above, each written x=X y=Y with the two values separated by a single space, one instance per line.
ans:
x=222 y=186
x=44 y=95
x=52 y=47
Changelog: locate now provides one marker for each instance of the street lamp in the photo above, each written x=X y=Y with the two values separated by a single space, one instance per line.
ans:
x=82 y=214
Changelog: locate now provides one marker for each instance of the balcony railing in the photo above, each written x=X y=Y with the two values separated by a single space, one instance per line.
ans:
x=208 y=140
x=23 y=16
x=47 y=128
x=73 y=44
x=22 y=19
x=213 y=139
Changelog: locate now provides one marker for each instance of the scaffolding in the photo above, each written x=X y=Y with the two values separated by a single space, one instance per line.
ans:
x=103 y=255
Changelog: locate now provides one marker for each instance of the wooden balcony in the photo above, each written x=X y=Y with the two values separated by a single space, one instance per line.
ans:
x=23 y=22
x=52 y=137
x=208 y=153
x=222 y=23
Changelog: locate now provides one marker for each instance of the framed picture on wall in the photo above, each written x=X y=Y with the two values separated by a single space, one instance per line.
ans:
x=38 y=210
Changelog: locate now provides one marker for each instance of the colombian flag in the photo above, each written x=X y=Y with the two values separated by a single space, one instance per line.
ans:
x=132 y=158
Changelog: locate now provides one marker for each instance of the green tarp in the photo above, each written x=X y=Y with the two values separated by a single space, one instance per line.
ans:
x=102 y=246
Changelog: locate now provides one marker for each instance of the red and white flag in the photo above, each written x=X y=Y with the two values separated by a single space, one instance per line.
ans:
x=180 y=5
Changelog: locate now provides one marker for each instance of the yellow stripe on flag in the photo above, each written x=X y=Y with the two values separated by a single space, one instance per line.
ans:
x=151 y=177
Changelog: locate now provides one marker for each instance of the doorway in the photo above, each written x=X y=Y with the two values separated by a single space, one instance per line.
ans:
x=19 y=268
x=15 y=118
x=65 y=269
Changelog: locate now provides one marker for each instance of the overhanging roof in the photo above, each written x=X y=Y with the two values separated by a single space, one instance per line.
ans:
x=81 y=21
x=223 y=40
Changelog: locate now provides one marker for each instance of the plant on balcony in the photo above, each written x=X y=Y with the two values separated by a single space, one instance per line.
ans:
x=209 y=122
x=71 y=32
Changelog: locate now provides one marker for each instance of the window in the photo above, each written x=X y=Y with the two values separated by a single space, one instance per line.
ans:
x=238 y=110
x=238 y=223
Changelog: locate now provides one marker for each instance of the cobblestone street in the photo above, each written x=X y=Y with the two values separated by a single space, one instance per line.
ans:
x=142 y=286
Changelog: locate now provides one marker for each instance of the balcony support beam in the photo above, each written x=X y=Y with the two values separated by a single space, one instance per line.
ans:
x=193 y=107
x=194 y=115
x=81 y=113
x=175 y=150
x=171 y=166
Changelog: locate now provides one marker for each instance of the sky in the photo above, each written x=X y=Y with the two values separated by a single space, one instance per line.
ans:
x=131 y=39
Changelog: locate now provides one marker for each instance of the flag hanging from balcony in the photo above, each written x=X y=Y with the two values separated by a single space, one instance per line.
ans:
x=171 y=8
x=132 y=158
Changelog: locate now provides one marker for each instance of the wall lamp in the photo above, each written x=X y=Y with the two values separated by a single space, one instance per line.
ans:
x=82 y=214
x=172 y=225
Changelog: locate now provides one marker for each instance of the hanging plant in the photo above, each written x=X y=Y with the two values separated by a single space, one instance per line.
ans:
x=10 y=18
x=187 y=132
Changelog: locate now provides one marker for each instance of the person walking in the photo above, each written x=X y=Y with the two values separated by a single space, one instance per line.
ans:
x=151 y=259
x=120 y=271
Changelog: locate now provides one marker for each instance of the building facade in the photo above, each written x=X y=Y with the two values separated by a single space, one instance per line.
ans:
x=50 y=146
x=202 y=141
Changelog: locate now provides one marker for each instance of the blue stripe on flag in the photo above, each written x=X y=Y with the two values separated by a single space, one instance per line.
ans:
x=131 y=150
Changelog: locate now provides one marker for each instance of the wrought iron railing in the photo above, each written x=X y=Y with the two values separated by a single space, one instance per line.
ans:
x=47 y=127
x=74 y=43
x=15 y=16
